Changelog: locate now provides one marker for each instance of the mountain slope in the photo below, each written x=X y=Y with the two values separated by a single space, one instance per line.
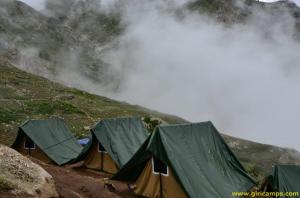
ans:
x=26 y=96
x=74 y=35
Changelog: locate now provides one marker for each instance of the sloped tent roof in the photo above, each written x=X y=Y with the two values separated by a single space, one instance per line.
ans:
x=121 y=137
x=199 y=157
x=53 y=137
x=285 y=178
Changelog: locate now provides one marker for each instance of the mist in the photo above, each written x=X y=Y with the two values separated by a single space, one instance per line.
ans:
x=244 y=77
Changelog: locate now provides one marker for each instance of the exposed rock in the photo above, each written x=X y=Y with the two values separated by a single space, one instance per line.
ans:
x=87 y=128
x=65 y=97
x=21 y=177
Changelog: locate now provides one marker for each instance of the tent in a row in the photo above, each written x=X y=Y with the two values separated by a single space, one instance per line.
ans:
x=284 y=179
x=114 y=142
x=47 y=140
x=189 y=160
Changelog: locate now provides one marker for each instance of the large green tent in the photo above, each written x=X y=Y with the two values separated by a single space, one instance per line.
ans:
x=199 y=158
x=52 y=137
x=285 y=178
x=120 y=138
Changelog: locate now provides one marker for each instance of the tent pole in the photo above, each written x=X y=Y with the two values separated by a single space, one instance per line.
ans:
x=102 y=160
x=161 y=186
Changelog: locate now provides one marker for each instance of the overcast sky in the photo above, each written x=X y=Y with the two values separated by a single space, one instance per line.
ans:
x=37 y=4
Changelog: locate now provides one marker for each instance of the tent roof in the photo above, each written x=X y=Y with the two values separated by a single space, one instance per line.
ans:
x=285 y=178
x=121 y=137
x=53 y=137
x=199 y=157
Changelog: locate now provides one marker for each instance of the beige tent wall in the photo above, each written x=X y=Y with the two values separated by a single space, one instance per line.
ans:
x=36 y=153
x=93 y=160
x=148 y=184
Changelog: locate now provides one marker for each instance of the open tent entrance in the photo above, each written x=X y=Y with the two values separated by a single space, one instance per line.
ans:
x=158 y=167
x=101 y=149
x=29 y=144
x=158 y=180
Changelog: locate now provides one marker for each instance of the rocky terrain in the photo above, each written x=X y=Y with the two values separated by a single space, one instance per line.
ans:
x=20 y=177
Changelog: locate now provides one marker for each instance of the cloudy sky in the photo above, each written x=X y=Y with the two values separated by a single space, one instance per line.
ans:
x=37 y=4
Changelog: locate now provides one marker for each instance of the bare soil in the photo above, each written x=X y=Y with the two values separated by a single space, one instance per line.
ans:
x=78 y=182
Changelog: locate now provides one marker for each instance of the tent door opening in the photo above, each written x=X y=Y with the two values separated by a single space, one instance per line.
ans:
x=101 y=150
x=159 y=167
x=29 y=144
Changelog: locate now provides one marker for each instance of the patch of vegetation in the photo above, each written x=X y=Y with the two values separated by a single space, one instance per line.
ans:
x=7 y=116
x=255 y=171
x=80 y=93
x=50 y=107
x=151 y=123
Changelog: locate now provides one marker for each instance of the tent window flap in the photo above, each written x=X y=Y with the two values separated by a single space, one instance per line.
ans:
x=159 y=167
x=100 y=147
x=29 y=144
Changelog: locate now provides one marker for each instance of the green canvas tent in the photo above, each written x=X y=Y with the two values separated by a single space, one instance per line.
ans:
x=114 y=141
x=48 y=140
x=187 y=160
x=284 y=178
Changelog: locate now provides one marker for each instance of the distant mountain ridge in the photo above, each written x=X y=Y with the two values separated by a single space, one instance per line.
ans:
x=76 y=33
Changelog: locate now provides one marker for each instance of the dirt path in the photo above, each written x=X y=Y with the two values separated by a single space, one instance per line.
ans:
x=74 y=182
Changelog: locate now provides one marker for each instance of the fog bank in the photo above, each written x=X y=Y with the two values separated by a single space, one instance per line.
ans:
x=244 y=77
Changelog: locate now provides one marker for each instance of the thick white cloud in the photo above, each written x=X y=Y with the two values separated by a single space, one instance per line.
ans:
x=244 y=78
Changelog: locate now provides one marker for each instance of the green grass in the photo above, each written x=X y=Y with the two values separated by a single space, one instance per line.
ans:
x=46 y=107
x=8 y=116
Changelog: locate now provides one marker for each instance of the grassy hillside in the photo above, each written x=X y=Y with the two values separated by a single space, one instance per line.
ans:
x=25 y=96
x=258 y=159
